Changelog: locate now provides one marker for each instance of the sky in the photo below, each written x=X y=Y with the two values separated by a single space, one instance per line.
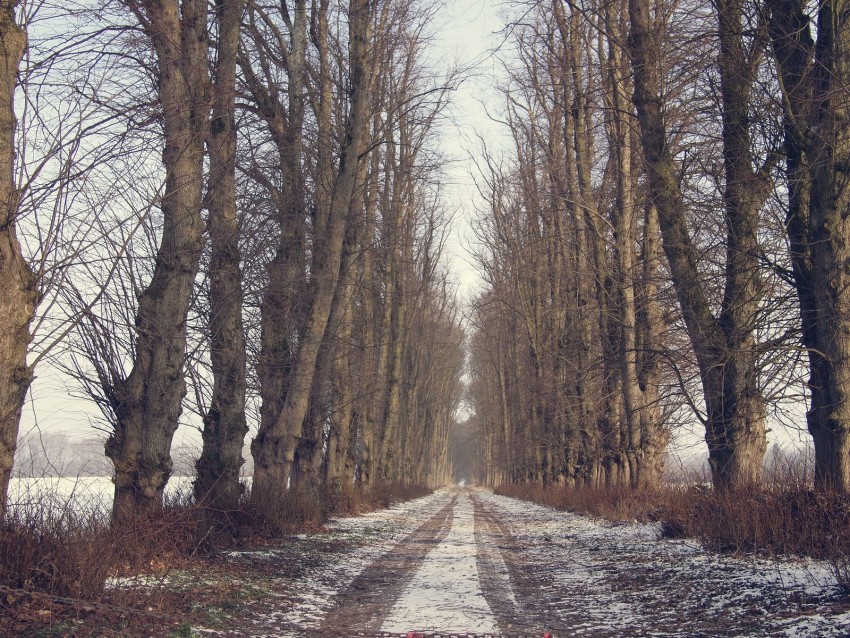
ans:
x=472 y=34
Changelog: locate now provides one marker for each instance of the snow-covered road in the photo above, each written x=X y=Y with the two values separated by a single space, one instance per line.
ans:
x=464 y=561
x=445 y=592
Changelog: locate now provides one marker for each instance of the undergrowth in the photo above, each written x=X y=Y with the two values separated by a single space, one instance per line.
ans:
x=59 y=561
x=307 y=508
x=780 y=518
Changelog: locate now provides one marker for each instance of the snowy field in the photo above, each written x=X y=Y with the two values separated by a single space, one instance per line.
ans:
x=83 y=495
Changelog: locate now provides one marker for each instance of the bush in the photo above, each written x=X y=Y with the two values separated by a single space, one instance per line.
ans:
x=57 y=553
x=308 y=508
x=612 y=503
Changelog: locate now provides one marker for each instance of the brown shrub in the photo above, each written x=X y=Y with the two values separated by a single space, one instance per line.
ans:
x=781 y=518
x=308 y=508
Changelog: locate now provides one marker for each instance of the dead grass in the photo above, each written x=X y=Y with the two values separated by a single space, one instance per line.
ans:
x=55 y=563
x=784 y=517
x=614 y=504
x=308 y=509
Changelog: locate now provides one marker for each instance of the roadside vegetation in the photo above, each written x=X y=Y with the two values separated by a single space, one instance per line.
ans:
x=784 y=516
x=61 y=562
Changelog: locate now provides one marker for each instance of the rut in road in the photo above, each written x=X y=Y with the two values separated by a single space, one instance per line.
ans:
x=455 y=574
x=369 y=598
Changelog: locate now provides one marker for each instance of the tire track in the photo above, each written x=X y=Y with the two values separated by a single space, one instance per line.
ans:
x=515 y=600
x=367 y=601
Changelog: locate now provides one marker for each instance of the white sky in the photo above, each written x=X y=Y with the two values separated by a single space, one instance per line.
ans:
x=471 y=35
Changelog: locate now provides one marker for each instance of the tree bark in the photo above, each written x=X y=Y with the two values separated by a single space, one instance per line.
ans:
x=814 y=76
x=217 y=484
x=275 y=445
x=148 y=402
x=18 y=285
x=735 y=419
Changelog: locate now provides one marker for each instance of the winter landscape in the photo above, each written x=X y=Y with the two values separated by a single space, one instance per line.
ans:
x=466 y=562
x=424 y=317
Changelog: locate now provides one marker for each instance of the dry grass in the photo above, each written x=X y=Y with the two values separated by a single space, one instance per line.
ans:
x=307 y=509
x=614 y=504
x=784 y=517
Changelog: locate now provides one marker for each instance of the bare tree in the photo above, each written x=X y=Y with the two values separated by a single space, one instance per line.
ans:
x=225 y=426
x=19 y=293
x=813 y=77
x=148 y=402
x=723 y=342
x=275 y=445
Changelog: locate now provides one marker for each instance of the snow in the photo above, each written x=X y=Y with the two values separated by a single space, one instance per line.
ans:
x=569 y=574
x=86 y=495
x=624 y=579
x=445 y=594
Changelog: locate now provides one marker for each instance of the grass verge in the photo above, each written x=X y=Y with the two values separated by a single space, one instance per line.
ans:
x=782 y=518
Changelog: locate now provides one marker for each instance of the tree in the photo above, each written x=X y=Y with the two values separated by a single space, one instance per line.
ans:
x=814 y=72
x=217 y=484
x=18 y=289
x=276 y=442
x=723 y=343
x=148 y=402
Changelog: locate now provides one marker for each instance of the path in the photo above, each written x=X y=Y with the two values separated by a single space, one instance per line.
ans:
x=467 y=562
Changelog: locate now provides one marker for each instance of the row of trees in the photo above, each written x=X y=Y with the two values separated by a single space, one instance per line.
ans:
x=716 y=134
x=276 y=250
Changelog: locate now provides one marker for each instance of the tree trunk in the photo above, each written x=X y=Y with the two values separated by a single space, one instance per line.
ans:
x=735 y=420
x=18 y=286
x=650 y=323
x=148 y=403
x=282 y=302
x=274 y=447
x=817 y=139
x=217 y=483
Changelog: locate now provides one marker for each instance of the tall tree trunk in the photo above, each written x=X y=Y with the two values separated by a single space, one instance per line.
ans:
x=147 y=403
x=650 y=326
x=18 y=286
x=274 y=447
x=339 y=474
x=282 y=300
x=735 y=422
x=815 y=76
x=217 y=483
x=366 y=409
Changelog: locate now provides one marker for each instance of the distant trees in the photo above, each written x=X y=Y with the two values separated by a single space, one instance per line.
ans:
x=565 y=355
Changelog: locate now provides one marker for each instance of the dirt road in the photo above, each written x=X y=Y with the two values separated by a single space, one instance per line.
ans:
x=467 y=562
